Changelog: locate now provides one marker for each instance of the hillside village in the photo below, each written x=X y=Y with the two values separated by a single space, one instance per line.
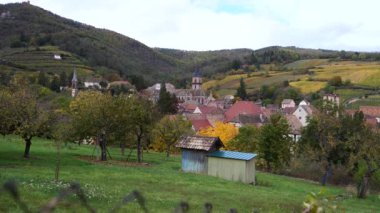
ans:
x=93 y=120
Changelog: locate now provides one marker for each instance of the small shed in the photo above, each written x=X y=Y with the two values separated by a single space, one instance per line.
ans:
x=194 y=151
x=236 y=166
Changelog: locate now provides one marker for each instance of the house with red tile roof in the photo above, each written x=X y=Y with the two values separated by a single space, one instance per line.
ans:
x=242 y=108
x=372 y=115
x=200 y=124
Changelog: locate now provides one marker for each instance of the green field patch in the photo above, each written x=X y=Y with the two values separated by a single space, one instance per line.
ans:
x=346 y=94
x=372 y=100
x=162 y=183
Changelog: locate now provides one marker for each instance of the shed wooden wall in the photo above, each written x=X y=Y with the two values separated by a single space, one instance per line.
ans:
x=232 y=169
x=194 y=161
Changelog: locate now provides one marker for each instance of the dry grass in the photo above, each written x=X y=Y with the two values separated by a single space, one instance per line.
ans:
x=308 y=86
x=362 y=73
x=307 y=63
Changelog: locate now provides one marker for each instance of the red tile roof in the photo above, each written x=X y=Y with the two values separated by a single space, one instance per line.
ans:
x=373 y=111
x=189 y=107
x=242 y=107
x=200 y=124
x=210 y=110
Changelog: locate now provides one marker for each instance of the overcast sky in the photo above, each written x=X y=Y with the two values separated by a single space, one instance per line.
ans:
x=227 y=24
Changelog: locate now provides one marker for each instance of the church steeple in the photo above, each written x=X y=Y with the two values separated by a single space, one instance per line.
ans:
x=74 y=84
x=196 y=83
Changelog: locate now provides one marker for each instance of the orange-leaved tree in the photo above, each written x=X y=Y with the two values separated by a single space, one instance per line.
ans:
x=224 y=131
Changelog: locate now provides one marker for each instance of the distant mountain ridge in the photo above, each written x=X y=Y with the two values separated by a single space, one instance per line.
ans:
x=26 y=30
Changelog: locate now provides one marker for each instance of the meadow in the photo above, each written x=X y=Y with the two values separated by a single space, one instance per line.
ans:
x=359 y=73
x=160 y=181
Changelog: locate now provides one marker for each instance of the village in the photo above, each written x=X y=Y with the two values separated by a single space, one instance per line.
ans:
x=189 y=106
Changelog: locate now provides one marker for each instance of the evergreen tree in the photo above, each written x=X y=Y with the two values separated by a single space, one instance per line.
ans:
x=274 y=142
x=241 y=91
x=167 y=103
x=42 y=79
x=55 y=84
x=63 y=79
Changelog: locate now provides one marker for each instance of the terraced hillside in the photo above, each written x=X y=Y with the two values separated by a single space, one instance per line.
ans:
x=42 y=59
x=310 y=76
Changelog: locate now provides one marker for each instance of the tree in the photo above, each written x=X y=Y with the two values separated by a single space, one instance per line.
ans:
x=224 y=131
x=55 y=84
x=275 y=144
x=318 y=142
x=335 y=81
x=168 y=131
x=141 y=120
x=236 y=64
x=99 y=116
x=23 y=115
x=167 y=103
x=42 y=79
x=365 y=155
x=241 y=91
x=64 y=81
x=247 y=140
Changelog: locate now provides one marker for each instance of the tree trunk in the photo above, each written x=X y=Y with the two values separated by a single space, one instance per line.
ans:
x=139 y=145
x=326 y=175
x=363 y=186
x=103 y=156
x=103 y=149
x=139 y=150
x=28 y=143
x=122 y=147
x=58 y=163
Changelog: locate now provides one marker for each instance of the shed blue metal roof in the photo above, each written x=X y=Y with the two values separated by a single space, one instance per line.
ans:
x=233 y=155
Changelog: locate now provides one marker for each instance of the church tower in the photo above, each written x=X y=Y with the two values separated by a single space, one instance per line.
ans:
x=196 y=83
x=74 y=84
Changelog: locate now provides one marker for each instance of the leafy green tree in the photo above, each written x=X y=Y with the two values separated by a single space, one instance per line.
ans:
x=23 y=115
x=335 y=81
x=241 y=91
x=319 y=142
x=168 y=131
x=141 y=120
x=98 y=116
x=364 y=159
x=247 y=140
x=138 y=81
x=275 y=143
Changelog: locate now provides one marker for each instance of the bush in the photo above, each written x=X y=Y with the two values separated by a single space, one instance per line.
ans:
x=335 y=81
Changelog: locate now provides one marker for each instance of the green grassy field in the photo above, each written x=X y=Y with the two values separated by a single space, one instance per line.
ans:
x=161 y=182
x=372 y=100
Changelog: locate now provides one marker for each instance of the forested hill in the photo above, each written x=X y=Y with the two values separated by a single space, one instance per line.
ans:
x=27 y=28
x=25 y=25
x=30 y=35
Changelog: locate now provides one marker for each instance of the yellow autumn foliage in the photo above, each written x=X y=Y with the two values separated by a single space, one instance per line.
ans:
x=224 y=131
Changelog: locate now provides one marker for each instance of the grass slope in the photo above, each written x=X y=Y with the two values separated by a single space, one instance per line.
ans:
x=359 y=73
x=161 y=183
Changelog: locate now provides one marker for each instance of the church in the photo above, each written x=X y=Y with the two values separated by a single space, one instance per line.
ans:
x=196 y=95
